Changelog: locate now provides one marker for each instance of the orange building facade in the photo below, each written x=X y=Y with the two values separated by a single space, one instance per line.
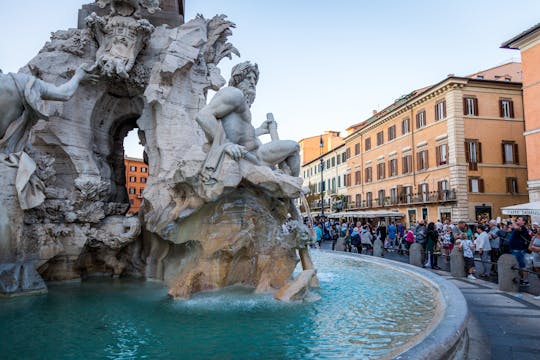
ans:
x=454 y=150
x=310 y=148
x=528 y=43
x=136 y=179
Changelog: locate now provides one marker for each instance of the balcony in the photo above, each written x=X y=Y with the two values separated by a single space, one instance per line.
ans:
x=432 y=197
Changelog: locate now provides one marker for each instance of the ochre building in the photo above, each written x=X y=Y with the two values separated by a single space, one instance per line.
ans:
x=136 y=178
x=453 y=150
x=528 y=43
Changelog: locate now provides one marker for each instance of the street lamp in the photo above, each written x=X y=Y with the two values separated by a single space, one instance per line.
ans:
x=321 y=145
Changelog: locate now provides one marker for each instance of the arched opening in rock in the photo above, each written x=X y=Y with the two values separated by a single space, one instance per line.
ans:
x=135 y=168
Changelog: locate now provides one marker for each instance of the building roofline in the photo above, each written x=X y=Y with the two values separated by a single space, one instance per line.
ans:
x=318 y=158
x=489 y=69
x=133 y=158
x=324 y=133
x=510 y=44
x=414 y=96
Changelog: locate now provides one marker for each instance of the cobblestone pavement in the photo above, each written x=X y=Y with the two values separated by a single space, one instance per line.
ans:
x=503 y=325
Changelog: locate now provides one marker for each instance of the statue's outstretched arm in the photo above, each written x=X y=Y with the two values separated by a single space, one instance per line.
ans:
x=65 y=91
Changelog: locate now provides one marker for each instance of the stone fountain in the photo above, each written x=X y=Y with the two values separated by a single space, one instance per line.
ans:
x=216 y=196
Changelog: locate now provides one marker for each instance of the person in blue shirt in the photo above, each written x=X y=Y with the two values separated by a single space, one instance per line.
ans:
x=319 y=234
x=392 y=234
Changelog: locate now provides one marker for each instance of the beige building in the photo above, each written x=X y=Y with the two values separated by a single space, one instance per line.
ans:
x=453 y=150
x=333 y=176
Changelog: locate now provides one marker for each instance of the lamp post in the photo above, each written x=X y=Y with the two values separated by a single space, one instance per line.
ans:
x=321 y=145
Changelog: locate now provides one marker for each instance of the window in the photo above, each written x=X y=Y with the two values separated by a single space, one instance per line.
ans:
x=144 y=169
x=393 y=196
x=380 y=138
x=470 y=106
x=442 y=154
x=473 y=153
x=422 y=160
x=440 y=110
x=328 y=163
x=132 y=190
x=381 y=197
x=369 y=199
x=132 y=179
x=380 y=171
x=357 y=178
x=506 y=108
x=367 y=144
x=132 y=168
x=141 y=190
x=347 y=179
x=339 y=181
x=344 y=156
x=338 y=159
x=444 y=190
x=423 y=192
x=357 y=149
x=333 y=161
x=392 y=132
x=405 y=126
x=476 y=185
x=407 y=190
x=480 y=77
x=406 y=164
x=131 y=201
x=143 y=180
x=392 y=167
x=358 y=199
x=347 y=154
x=368 y=175
x=421 y=119
x=510 y=152
x=511 y=185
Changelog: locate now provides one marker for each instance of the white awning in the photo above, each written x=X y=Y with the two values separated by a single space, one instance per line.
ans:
x=532 y=208
x=366 y=214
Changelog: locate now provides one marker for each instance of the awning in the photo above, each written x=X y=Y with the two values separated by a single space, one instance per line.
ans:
x=366 y=214
x=532 y=208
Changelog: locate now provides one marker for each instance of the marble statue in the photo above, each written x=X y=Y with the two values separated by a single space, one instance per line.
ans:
x=216 y=196
x=226 y=121
x=21 y=107
x=121 y=36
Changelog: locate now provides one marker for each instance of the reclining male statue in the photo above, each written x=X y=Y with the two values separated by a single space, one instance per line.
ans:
x=20 y=97
x=226 y=121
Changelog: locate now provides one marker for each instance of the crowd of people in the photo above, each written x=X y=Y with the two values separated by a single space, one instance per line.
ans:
x=488 y=240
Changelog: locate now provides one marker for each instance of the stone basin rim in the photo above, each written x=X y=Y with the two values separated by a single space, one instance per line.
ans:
x=446 y=337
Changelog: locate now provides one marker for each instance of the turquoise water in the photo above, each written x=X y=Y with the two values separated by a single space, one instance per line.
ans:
x=365 y=312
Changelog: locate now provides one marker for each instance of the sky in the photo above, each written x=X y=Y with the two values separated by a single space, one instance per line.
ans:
x=324 y=65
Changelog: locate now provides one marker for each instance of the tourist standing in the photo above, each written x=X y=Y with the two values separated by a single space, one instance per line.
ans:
x=319 y=234
x=467 y=246
x=366 y=240
x=392 y=234
x=483 y=247
x=534 y=247
x=519 y=241
x=432 y=238
x=495 y=237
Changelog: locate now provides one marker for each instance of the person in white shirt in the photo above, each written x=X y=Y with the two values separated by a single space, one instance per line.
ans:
x=467 y=246
x=483 y=247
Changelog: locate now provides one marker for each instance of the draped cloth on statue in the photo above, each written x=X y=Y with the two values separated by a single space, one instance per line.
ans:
x=29 y=187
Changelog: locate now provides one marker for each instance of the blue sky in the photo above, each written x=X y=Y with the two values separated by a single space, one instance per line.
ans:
x=324 y=65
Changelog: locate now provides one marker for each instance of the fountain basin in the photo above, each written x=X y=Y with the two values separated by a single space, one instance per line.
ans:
x=370 y=308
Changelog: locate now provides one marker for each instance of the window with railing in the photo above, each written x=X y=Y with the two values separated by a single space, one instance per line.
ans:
x=381 y=197
x=369 y=199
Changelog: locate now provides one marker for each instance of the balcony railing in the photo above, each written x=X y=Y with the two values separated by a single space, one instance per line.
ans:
x=406 y=199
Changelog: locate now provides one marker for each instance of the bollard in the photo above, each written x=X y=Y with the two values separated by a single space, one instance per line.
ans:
x=416 y=255
x=457 y=263
x=378 y=248
x=508 y=278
